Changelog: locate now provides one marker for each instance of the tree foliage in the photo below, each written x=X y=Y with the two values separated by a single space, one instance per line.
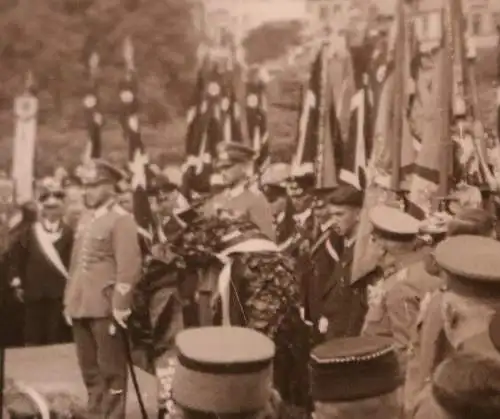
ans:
x=51 y=37
x=272 y=40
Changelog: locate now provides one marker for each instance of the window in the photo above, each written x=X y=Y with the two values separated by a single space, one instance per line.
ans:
x=323 y=11
x=476 y=24
x=425 y=25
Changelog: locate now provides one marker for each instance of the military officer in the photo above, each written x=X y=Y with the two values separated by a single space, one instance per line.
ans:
x=224 y=372
x=460 y=310
x=389 y=314
x=369 y=362
x=466 y=385
x=105 y=266
x=235 y=163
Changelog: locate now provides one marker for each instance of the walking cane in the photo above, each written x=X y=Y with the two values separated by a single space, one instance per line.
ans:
x=116 y=328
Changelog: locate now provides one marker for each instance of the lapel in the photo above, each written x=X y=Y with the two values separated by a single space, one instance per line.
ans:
x=66 y=238
x=48 y=249
x=341 y=270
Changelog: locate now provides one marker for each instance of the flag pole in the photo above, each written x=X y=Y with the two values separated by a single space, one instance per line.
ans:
x=446 y=78
x=321 y=128
x=397 y=119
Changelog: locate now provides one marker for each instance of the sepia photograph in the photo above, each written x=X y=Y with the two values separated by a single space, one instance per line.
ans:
x=249 y=209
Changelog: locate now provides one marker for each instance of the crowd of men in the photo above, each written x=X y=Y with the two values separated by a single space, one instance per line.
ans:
x=415 y=335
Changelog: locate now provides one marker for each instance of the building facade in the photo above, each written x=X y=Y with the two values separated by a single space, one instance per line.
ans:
x=483 y=16
x=241 y=16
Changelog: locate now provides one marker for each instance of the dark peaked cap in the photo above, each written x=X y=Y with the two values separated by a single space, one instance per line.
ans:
x=349 y=369
x=229 y=154
x=340 y=195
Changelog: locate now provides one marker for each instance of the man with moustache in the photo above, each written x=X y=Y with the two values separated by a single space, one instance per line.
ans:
x=105 y=266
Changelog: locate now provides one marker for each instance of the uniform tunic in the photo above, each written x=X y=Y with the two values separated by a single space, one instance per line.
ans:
x=246 y=200
x=429 y=346
x=393 y=303
x=105 y=266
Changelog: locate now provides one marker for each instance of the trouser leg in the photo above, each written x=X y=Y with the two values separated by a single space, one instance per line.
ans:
x=56 y=328
x=113 y=367
x=86 y=349
x=34 y=323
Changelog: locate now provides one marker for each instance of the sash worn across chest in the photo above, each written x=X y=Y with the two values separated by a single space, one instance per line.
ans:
x=48 y=249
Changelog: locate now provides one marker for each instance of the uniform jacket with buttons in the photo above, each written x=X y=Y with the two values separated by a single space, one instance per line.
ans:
x=247 y=200
x=429 y=347
x=392 y=304
x=105 y=265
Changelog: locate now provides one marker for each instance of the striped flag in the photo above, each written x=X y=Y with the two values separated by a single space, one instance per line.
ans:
x=93 y=115
x=137 y=157
x=256 y=116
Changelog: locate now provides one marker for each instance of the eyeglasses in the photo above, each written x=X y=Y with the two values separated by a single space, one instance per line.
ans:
x=47 y=195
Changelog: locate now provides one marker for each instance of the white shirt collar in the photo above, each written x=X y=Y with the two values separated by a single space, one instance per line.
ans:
x=327 y=225
x=51 y=226
x=349 y=241
x=302 y=217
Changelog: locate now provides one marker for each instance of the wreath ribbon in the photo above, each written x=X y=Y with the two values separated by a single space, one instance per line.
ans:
x=224 y=280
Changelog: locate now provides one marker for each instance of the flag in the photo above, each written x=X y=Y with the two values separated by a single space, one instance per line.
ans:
x=379 y=96
x=230 y=114
x=137 y=157
x=357 y=147
x=256 y=116
x=434 y=90
x=304 y=159
x=204 y=129
x=93 y=116
x=23 y=158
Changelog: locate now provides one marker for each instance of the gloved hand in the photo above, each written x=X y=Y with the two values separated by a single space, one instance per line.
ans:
x=121 y=317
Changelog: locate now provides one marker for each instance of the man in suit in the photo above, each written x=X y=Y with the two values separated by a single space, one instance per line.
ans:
x=39 y=269
x=235 y=163
x=105 y=267
x=336 y=306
